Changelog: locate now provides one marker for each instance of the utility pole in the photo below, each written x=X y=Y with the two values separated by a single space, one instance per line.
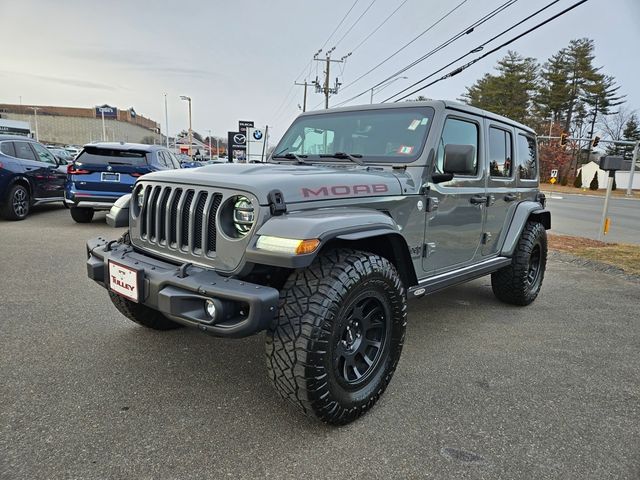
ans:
x=104 y=128
x=188 y=99
x=634 y=161
x=325 y=89
x=304 y=100
x=166 y=118
x=35 y=116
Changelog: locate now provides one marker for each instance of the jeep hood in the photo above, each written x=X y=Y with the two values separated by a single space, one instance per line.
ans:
x=298 y=183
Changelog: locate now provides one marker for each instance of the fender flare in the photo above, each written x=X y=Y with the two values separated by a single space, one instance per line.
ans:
x=525 y=211
x=340 y=227
x=118 y=215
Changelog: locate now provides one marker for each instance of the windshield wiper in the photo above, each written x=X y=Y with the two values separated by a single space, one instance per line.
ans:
x=354 y=157
x=292 y=156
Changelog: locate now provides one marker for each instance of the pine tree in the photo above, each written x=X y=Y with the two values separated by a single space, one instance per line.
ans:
x=509 y=92
x=631 y=132
x=594 y=182
x=578 y=181
x=615 y=186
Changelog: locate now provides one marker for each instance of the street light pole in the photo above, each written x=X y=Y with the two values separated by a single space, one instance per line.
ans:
x=209 y=144
x=35 y=116
x=104 y=128
x=166 y=118
x=188 y=99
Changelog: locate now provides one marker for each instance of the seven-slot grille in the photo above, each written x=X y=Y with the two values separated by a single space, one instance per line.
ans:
x=179 y=218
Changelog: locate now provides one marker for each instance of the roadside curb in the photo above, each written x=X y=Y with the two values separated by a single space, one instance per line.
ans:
x=593 y=265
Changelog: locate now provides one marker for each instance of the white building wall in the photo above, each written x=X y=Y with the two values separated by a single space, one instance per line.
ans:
x=622 y=178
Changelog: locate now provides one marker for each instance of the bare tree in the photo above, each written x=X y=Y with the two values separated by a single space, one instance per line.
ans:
x=613 y=125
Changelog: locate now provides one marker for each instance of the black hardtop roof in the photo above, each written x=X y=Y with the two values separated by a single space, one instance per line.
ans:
x=437 y=104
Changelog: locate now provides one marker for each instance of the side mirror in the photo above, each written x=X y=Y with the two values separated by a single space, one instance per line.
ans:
x=459 y=159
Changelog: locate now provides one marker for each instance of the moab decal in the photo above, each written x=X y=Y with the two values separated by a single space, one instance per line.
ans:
x=344 y=190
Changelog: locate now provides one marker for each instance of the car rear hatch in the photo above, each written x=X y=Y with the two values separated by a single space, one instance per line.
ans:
x=108 y=169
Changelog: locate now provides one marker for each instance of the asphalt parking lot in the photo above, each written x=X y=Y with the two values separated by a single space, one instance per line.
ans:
x=483 y=390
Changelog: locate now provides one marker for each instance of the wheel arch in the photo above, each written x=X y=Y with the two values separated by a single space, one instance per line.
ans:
x=387 y=244
x=525 y=212
x=21 y=180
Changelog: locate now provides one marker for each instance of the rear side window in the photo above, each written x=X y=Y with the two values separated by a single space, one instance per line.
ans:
x=500 y=156
x=23 y=150
x=106 y=156
x=527 y=158
x=7 y=149
x=457 y=132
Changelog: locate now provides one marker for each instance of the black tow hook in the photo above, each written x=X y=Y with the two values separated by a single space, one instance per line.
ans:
x=182 y=270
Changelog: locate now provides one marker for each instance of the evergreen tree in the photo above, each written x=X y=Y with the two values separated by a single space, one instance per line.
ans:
x=594 y=182
x=510 y=92
x=614 y=186
x=578 y=181
x=631 y=132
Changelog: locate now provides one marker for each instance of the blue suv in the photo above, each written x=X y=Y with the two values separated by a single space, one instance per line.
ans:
x=29 y=175
x=103 y=172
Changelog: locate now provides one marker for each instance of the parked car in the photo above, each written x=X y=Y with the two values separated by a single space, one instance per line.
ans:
x=29 y=175
x=361 y=209
x=103 y=172
x=61 y=154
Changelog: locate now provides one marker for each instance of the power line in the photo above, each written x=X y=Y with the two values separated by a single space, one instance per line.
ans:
x=309 y=64
x=339 y=24
x=464 y=32
x=354 y=23
x=443 y=45
x=477 y=59
x=378 y=27
x=478 y=48
x=407 y=44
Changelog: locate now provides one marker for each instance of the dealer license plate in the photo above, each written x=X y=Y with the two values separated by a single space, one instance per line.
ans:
x=110 y=177
x=125 y=281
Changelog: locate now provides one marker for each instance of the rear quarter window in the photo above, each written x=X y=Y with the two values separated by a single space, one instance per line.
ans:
x=527 y=157
x=105 y=156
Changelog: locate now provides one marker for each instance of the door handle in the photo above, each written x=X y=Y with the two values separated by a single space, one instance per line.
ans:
x=510 y=197
x=478 y=199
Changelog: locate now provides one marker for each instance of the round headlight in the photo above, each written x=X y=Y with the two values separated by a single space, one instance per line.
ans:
x=140 y=198
x=243 y=215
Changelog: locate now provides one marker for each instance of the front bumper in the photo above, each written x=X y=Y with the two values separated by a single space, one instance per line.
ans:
x=180 y=292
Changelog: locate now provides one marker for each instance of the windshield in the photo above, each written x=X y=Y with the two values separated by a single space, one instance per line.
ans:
x=104 y=156
x=384 y=135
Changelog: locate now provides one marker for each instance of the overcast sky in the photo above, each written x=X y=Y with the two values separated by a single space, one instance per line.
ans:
x=238 y=59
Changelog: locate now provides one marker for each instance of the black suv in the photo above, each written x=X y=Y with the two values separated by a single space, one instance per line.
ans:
x=29 y=175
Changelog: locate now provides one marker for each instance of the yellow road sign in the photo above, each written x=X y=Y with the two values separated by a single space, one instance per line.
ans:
x=552 y=180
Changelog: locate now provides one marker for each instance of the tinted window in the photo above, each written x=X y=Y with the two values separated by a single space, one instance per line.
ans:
x=7 y=149
x=527 y=157
x=379 y=135
x=44 y=155
x=23 y=150
x=457 y=132
x=104 y=156
x=500 y=157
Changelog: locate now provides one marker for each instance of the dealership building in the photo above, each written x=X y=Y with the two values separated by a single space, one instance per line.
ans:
x=77 y=126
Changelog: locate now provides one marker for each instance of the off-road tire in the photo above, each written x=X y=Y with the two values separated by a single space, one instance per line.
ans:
x=517 y=284
x=16 y=211
x=304 y=342
x=81 y=215
x=141 y=314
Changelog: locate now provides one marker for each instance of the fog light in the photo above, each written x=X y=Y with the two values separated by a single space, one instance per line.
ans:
x=210 y=308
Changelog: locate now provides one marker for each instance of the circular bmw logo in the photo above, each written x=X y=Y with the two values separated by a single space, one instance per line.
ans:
x=239 y=138
x=109 y=168
x=257 y=134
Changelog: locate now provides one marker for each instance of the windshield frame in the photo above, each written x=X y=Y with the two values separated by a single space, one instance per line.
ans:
x=426 y=111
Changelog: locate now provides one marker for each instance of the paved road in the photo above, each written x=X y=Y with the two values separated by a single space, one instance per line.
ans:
x=580 y=215
x=483 y=390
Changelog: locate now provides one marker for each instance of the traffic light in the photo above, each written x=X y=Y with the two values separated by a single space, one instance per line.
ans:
x=563 y=139
x=595 y=141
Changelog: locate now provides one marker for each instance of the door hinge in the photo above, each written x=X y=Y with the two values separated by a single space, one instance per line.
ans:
x=428 y=249
x=486 y=238
x=432 y=204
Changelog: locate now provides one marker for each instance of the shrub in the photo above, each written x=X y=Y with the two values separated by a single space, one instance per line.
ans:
x=614 y=187
x=594 y=182
x=578 y=181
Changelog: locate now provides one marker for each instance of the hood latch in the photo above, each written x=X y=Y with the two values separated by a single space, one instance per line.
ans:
x=276 y=202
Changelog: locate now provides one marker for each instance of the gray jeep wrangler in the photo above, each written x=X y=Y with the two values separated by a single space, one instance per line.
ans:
x=357 y=210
